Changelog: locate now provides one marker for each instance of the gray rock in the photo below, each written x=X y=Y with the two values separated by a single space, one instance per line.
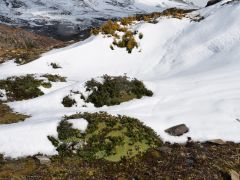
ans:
x=43 y=160
x=79 y=145
x=217 y=141
x=165 y=149
x=177 y=130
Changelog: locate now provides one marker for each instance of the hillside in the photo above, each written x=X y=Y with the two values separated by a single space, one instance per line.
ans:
x=115 y=99
x=22 y=45
x=70 y=19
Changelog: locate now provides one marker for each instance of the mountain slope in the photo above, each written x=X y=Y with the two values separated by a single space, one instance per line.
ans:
x=68 y=18
x=191 y=67
x=19 y=44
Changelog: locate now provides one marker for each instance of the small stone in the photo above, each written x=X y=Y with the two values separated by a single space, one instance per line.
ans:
x=177 y=130
x=43 y=160
x=234 y=175
x=217 y=141
x=165 y=149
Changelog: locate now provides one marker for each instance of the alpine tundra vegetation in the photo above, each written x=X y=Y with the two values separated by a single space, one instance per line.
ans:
x=119 y=89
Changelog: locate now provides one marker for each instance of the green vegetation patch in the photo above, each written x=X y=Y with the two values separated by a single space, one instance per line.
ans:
x=7 y=116
x=28 y=86
x=107 y=137
x=115 y=90
x=54 y=78
x=68 y=101
x=23 y=87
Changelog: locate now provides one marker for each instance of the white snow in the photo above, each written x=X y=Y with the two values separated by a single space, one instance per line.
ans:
x=80 y=124
x=192 y=68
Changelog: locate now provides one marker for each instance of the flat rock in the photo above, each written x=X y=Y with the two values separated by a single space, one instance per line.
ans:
x=177 y=130
x=43 y=160
x=217 y=141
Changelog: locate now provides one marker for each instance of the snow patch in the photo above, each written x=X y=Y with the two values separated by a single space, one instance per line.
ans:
x=80 y=124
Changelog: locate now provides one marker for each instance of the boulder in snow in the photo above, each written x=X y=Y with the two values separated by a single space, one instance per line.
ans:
x=177 y=130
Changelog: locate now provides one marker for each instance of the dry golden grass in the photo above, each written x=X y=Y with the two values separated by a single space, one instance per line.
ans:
x=7 y=116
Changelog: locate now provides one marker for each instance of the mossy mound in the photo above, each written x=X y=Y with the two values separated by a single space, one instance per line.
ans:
x=107 y=137
x=115 y=90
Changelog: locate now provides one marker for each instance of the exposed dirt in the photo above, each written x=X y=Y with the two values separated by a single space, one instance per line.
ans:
x=190 y=161
x=24 y=46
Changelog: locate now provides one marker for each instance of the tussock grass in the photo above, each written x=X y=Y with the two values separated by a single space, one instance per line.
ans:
x=7 y=116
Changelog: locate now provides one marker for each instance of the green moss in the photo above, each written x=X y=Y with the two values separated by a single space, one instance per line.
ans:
x=107 y=137
x=115 y=90
x=68 y=101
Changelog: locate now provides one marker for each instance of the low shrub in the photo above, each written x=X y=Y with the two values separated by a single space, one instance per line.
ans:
x=115 y=90
x=110 y=27
x=54 y=78
x=127 y=41
x=68 y=101
x=23 y=87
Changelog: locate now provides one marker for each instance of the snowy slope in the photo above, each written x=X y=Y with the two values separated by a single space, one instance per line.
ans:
x=192 y=68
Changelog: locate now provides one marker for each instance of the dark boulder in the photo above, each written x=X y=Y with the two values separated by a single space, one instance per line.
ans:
x=177 y=130
x=212 y=2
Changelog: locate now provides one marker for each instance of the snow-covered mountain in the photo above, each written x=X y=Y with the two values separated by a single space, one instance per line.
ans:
x=68 y=17
x=192 y=68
